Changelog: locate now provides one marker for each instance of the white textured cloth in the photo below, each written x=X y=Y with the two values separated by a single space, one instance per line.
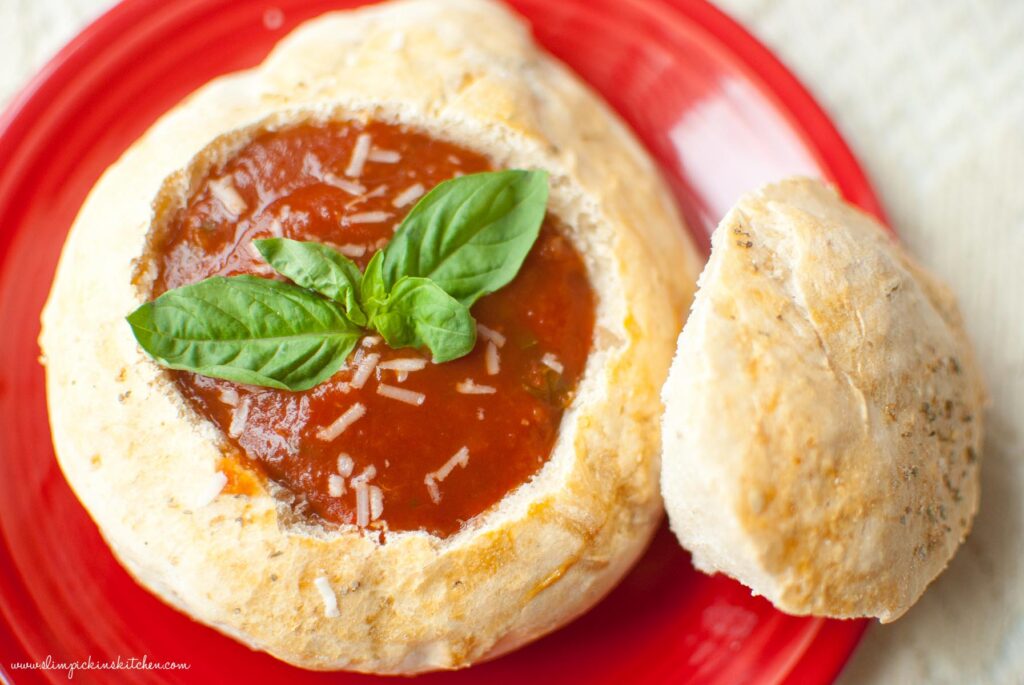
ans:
x=930 y=95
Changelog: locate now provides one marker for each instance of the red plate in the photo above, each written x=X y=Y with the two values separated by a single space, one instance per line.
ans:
x=715 y=108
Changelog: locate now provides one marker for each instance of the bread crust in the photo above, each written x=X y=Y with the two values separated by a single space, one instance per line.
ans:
x=823 y=413
x=138 y=457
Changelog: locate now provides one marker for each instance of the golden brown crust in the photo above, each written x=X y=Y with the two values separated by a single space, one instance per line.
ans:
x=824 y=382
x=139 y=459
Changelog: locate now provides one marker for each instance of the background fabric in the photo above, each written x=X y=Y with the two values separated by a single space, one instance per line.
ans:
x=930 y=96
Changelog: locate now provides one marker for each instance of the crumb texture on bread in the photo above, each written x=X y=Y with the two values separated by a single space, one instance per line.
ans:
x=823 y=413
x=142 y=464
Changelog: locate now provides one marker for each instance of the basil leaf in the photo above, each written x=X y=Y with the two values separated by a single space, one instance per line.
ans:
x=246 y=329
x=470 y=234
x=372 y=291
x=418 y=313
x=317 y=267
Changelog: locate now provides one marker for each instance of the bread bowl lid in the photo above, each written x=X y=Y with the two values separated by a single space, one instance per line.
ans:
x=823 y=411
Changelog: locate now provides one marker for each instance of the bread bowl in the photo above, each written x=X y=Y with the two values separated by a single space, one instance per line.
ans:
x=823 y=419
x=212 y=535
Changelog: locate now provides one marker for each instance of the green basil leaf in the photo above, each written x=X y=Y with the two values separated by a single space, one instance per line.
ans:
x=470 y=234
x=246 y=329
x=317 y=267
x=372 y=290
x=418 y=313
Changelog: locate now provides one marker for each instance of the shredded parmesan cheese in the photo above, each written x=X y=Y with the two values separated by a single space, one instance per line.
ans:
x=401 y=394
x=359 y=484
x=223 y=190
x=432 y=489
x=276 y=229
x=551 y=361
x=229 y=396
x=359 y=155
x=338 y=426
x=369 y=217
x=352 y=250
x=362 y=503
x=460 y=458
x=378 y=191
x=384 y=156
x=238 y=418
x=345 y=465
x=364 y=370
x=468 y=387
x=402 y=367
x=492 y=360
x=211 y=488
x=371 y=340
x=409 y=195
x=330 y=600
x=376 y=502
x=367 y=475
x=404 y=364
x=335 y=485
x=350 y=187
x=490 y=334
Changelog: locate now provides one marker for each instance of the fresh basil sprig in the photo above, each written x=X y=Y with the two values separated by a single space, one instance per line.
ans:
x=466 y=238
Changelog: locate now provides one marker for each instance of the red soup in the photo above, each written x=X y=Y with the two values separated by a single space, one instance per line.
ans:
x=392 y=441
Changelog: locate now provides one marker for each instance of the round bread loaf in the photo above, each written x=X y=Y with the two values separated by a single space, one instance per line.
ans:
x=143 y=463
x=823 y=414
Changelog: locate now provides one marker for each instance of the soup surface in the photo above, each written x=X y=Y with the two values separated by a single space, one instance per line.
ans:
x=392 y=441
